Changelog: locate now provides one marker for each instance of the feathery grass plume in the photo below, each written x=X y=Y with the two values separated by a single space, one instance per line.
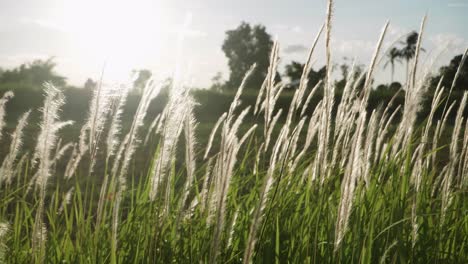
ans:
x=213 y=133
x=224 y=167
x=190 y=125
x=232 y=228
x=247 y=134
x=60 y=152
x=77 y=154
x=445 y=118
x=100 y=106
x=5 y=98
x=47 y=139
x=304 y=80
x=130 y=143
x=152 y=128
x=270 y=130
x=418 y=49
x=328 y=27
x=384 y=125
x=309 y=97
x=53 y=162
x=204 y=193
x=269 y=103
x=66 y=200
x=320 y=163
x=178 y=107
x=352 y=172
x=463 y=170
x=369 y=146
x=126 y=150
x=278 y=154
x=455 y=78
x=350 y=110
x=344 y=121
x=4 y=230
x=236 y=101
x=370 y=72
x=311 y=132
x=450 y=175
x=293 y=141
x=226 y=159
x=7 y=168
x=423 y=159
x=356 y=167
x=440 y=127
x=20 y=165
x=257 y=158
x=349 y=94
x=112 y=141
x=171 y=123
x=258 y=101
x=411 y=107
x=270 y=89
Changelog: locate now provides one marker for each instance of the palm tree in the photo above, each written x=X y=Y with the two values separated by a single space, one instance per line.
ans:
x=409 y=50
x=393 y=56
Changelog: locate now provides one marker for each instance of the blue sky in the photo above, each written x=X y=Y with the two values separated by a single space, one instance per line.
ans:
x=126 y=34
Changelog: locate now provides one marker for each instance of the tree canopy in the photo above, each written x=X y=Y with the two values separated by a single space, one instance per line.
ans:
x=294 y=72
x=243 y=47
x=449 y=72
x=33 y=74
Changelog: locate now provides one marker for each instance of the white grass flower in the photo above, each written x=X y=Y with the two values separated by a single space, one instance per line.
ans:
x=66 y=200
x=46 y=142
x=4 y=230
x=213 y=133
x=7 y=168
x=190 y=125
x=5 y=98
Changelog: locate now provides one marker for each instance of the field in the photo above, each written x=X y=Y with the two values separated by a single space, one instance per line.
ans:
x=267 y=176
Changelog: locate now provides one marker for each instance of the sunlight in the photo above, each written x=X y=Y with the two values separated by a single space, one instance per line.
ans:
x=123 y=32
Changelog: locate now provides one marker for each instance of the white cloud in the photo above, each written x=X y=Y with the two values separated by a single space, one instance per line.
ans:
x=285 y=28
x=457 y=4
x=354 y=47
x=295 y=48
x=43 y=23
x=449 y=40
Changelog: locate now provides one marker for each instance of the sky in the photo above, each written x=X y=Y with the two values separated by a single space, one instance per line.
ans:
x=88 y=37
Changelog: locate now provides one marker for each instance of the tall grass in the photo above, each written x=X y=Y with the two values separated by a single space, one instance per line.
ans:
x=341 y=184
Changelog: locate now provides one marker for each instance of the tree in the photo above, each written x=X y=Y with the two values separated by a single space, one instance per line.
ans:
x=345 y=71
x=217 y=82
x=243 y=47
x=409 y=49
x=393 y=56
x=449 y=72
x=34 y=74
x=294 y=72
x=90 y=84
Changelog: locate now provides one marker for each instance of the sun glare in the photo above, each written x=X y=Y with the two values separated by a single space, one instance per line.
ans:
x=121 y=32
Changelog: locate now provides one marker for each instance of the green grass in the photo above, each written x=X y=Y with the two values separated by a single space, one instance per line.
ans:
x=300 y=224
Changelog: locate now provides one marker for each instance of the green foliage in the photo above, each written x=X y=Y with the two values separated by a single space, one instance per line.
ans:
x=449 y=71
x=294 y=72
x=244 y=46
x=33 y=75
